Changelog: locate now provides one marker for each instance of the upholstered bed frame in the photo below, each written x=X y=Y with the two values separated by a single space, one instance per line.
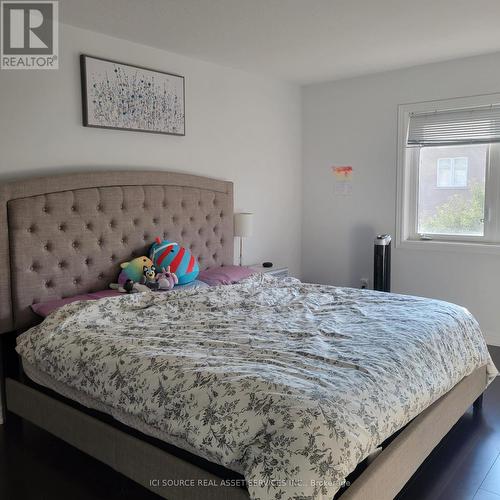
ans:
x=65 y=235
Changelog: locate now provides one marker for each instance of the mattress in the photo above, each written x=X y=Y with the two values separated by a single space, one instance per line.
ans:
x=291 y=384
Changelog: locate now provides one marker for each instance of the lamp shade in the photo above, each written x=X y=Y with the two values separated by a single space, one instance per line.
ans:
x=243 y=225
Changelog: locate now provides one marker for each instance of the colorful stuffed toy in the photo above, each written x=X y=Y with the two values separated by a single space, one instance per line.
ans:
x=139 y=275
x=166 y=280
x=149 y=278
x=165 y=254
x=133 y=270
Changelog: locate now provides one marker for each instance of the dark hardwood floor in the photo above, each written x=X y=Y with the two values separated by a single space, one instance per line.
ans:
x=466 y=464
x=36 y=466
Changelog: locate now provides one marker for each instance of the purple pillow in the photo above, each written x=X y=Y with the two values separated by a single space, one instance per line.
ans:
x=225 y=275
x=43 y=309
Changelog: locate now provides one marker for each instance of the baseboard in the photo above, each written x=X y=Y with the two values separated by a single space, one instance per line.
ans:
x=492 y=338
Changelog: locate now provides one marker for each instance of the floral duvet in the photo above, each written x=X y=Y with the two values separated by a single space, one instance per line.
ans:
x=291 y=384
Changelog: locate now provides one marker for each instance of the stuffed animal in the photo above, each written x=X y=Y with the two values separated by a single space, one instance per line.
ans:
x=166 y=280
x=165 y=254
x=129 y=287
x=149 y=278
x=133 y=270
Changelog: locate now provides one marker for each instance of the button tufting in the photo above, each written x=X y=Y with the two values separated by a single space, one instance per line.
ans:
x=171 y=217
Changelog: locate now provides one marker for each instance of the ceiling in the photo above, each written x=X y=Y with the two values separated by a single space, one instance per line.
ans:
x=302 y=41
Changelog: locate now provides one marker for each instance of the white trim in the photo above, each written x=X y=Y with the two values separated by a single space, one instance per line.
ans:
x=452 y=103
x=401 y=175
x=450 y=246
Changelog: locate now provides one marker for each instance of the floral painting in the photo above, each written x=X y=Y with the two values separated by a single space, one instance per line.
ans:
x=121 y=96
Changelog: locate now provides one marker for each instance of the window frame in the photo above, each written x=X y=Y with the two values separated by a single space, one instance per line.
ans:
x=407 y=186
x=452 y=160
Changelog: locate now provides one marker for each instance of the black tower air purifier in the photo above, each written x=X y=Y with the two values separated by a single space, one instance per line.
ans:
x=382 y=263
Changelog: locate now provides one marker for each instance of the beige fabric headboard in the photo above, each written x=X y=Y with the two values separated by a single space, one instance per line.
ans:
x=65 y=235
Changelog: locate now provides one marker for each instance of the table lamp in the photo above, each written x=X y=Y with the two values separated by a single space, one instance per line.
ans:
x=242 y=229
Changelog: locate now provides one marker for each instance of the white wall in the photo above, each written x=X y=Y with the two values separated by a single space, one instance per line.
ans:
x=239 y=127
x=353 y=122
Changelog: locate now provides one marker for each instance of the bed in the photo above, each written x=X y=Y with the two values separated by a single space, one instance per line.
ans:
x=258 y=358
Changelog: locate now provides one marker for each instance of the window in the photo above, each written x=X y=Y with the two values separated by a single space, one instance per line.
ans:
x=449 y=174
x=452 y=172
x=446 y=203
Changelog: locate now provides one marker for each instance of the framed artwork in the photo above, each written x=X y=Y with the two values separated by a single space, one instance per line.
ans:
x=125 y=97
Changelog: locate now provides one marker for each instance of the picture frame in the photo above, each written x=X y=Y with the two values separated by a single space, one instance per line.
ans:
x=121 y=96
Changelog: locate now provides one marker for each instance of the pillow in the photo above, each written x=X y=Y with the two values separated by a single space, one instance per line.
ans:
x=225 y=275
x=43 y=309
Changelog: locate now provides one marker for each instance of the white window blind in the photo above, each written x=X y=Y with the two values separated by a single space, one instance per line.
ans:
x=445 y=128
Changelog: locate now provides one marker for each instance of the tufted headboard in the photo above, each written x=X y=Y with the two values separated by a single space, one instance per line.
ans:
x=65 y=235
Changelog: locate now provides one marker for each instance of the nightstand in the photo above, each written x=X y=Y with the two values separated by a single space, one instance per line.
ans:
x=278 y=270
